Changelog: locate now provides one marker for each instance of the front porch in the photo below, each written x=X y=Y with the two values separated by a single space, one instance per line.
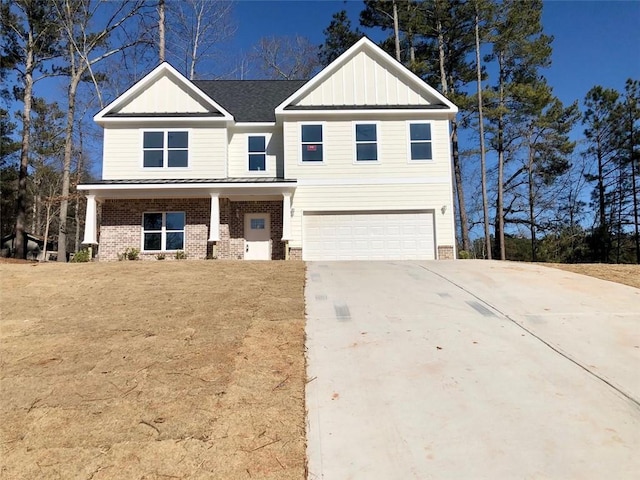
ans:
x=235 y=223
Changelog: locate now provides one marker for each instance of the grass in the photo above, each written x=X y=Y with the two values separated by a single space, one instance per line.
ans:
x=152 y=370
x=625 y=274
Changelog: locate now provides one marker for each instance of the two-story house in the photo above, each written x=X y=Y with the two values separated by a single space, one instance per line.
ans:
x=352 y=164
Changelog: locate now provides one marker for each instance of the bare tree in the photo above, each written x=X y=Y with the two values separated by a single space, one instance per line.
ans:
x=88 y=27
x=194 y=29
x=286 y=58
x=161 y=30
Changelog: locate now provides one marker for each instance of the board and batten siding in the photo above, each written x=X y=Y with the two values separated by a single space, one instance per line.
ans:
x=165 y=95
x=364 y=81
x=238 y=151
x=375 y=198
x=122 y=154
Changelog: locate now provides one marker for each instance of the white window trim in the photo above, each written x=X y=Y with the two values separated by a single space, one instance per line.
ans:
x=163 y=232
x=165 y=149
x=408 y=128
x=267 y=157
x=355 y=143
x=324 y=143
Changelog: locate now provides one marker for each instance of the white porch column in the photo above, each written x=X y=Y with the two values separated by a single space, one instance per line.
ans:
x=214 y=224
x=286 y=216
x=90 y=222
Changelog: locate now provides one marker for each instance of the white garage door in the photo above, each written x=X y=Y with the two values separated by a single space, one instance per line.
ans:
x=368 y=236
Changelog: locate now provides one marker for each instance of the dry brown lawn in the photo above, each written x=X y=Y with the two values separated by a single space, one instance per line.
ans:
x=152 y=370
x=625 y=274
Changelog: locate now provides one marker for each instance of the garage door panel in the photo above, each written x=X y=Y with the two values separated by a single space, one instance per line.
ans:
x=368 y=236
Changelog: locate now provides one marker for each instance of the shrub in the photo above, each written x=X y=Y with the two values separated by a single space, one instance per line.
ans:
x=82 y=256
x=160 y=256
x=130 y=253
x=181 y=255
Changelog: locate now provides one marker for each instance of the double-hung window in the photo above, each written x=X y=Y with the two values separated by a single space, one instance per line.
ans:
x=257 y=153
x=366 y=142
x=162 y=149
x=163 y=231
x=312 y=143
x=420 y=141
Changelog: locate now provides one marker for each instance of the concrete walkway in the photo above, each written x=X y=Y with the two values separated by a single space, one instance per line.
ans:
x=470 y=370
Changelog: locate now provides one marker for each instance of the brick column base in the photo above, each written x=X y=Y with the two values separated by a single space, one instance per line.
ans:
x=445 y=252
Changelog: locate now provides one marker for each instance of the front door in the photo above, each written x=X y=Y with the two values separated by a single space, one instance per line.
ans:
x=257 y=236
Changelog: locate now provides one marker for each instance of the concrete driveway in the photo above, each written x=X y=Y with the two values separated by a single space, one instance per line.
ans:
x=470 y=370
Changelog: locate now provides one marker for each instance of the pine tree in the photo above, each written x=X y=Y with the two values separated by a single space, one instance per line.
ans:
x=338 y=38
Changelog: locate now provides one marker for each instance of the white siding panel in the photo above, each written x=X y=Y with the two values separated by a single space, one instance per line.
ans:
x=122 y=157
x=392 y=150
x=363 y=81
x=164 y=96
x=238 y=151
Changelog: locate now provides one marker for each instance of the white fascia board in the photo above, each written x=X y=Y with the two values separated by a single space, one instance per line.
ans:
x=254 y=124
x=330 y=182
x=289 y=186
x=369 y=112
x=163 y=120
x=149 y=78
x=384 y=58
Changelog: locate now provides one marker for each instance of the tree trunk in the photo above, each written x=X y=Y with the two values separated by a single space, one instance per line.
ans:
x=20 y=248
x=46 y=230
x=161 y=29
x=396 y=29
x=66 y=169
x=532 y=225
x=634 y=187
x=604 y=231
x=500 y=202
x=464 y=223
x=483 y=154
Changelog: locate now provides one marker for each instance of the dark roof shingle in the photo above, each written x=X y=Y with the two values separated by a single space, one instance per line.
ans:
x=250 y=100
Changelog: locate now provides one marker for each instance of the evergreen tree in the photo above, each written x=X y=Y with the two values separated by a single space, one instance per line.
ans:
x=338 y=38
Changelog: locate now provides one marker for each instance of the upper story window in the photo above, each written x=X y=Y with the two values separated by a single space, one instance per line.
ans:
x=165 y=149
x=163 y=231
x=366 y=142
x=420 y=141
x=257 y=153
x=312 y=143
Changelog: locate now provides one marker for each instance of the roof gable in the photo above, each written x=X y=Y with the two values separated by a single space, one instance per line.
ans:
x=163 y=92
x=366 y=76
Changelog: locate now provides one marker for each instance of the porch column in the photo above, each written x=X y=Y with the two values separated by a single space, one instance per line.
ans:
x=90 y=222
x=214 y=223
x=286 y=216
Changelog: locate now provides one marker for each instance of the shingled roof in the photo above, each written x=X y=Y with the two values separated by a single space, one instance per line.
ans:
x=250 y=100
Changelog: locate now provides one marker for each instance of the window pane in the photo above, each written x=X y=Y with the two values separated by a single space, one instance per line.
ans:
x=178 y=139
x=257 y=224
x=175 y=221
x=366 y=151
x=153 y=158
x=152 y=241
x=366 y=133
x=175 y=240
x=153 y=140
x=420 y=131
x=312 y=153
x=152 y=221
x=312 y=133
x=421 y=151
x=257 y=162
x=178 y=158
x=257 y=144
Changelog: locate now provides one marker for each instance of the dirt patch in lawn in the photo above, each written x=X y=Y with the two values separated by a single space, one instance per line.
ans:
x=152 y=370
x=625 y=274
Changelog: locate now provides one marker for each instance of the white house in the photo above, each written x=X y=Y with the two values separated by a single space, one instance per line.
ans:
x=352 y=164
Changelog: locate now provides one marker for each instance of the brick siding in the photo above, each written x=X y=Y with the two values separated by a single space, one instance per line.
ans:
x=121 y=227
x=445 y=252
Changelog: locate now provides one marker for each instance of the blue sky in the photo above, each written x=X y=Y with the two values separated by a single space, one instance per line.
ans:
x=595 y=42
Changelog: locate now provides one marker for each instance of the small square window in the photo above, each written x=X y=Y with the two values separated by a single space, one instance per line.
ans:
x=257 y=153
x=312 y=146
x=366 y=142
x=257 y=224
x=420 y=141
